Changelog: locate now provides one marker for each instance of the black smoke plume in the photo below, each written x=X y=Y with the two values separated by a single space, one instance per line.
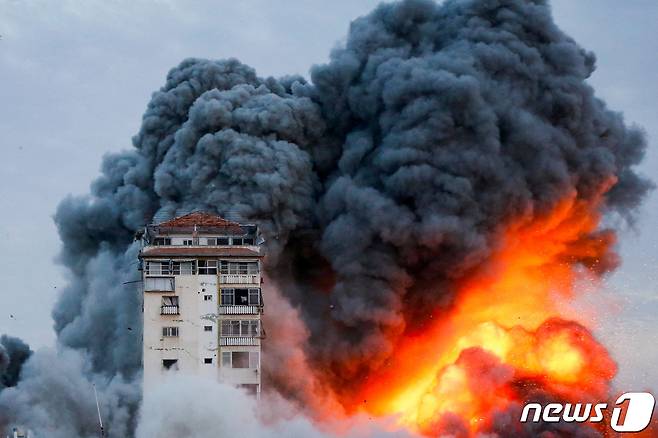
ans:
x=393 y=168
x=13 y=353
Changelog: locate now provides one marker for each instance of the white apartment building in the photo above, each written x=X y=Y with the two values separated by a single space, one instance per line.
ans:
x=202 y=300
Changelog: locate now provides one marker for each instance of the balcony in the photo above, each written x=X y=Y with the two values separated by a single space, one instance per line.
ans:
x=239 y=278
x=238 y=341
x=169 y=310
x=239 y=310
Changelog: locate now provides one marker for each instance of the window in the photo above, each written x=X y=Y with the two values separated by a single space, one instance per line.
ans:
x=236 y=241
x=207 y=360
x=157 y=268
x=248 y=241
x=182 y=268
x=222 y=241
x=171 y=267
x=169 y=305
x=162 y=241
x=211 y=241
x=170 y=364
x=234 y=297
x=240 y=328
x=227 y=297
x=170 y=300
x=230 y=328
x=207 y=267
x=159 y=284
x=170 y=332
x=226 y=359
x=240 y=359
x=207 y=328
x=207 y=298
x=254 y=297
x=238 y=267
x=187 y=242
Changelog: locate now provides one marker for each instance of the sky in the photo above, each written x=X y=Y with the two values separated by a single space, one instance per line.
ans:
x=75 y=78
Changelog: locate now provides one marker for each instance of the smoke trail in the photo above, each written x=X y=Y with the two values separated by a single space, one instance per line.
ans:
x=392 y=170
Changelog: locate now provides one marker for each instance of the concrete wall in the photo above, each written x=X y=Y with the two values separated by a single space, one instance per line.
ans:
x=194 y=343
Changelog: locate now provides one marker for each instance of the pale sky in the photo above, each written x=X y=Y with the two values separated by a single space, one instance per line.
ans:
x=75 y=77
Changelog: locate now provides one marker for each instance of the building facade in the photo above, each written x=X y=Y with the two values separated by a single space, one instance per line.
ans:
x=202 y=300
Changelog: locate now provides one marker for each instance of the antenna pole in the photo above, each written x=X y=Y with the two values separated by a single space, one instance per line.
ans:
x=98 y=409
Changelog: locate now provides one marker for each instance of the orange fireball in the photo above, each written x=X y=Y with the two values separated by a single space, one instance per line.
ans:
x=509 y=334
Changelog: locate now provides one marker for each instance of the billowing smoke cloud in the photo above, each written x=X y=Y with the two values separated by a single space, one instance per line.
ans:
x=13 y=353
x=394 y=168
x=201 y=410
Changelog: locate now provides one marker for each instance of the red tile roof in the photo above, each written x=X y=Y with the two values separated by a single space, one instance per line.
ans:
x=186 y=251
x=198 y=218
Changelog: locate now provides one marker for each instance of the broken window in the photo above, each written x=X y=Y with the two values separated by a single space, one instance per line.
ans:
x=242 y=296
x=248 y=241
x=170 y=364
x=240 y=359
x=170 y=332
x=207 y=360
x=222 y=241
x=236 y=241
x=207 y=267
x=207 y=298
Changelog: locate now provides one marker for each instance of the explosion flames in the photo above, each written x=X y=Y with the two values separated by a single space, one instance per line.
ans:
x=504 y=339
x=429 y=202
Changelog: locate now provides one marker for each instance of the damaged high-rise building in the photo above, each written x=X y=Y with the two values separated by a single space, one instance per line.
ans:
x=202 y=300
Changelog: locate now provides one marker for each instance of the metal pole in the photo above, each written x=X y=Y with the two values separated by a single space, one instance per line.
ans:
x=98 y=409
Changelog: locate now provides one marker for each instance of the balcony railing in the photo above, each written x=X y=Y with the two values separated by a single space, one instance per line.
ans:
x=239 y=310
x=239 y=278
x=169 y=310
x=238 y=341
